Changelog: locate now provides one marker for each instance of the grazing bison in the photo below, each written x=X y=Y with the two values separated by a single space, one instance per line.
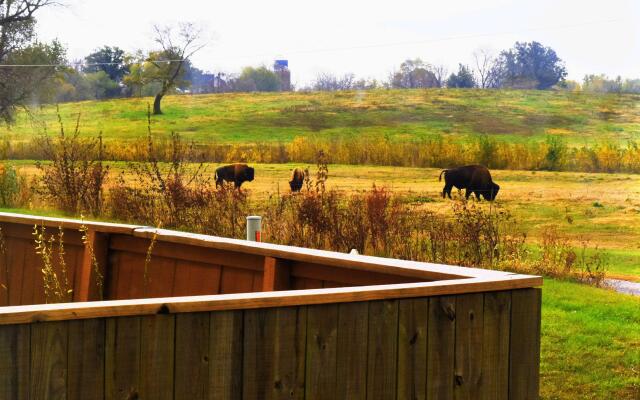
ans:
x=475 y=178
x=297 y=179
x=236 y=173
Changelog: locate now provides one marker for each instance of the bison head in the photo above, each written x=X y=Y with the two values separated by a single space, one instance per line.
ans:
x=248 y=174
x=492 y=191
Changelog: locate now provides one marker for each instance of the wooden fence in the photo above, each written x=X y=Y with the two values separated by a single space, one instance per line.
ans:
x=260 y=322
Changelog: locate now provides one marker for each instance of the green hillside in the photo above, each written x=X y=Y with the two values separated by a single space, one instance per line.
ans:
x=514 y=116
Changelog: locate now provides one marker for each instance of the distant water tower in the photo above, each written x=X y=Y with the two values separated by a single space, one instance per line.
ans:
x=281 y=68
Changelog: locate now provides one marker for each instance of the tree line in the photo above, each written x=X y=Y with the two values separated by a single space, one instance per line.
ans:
x=35 y=72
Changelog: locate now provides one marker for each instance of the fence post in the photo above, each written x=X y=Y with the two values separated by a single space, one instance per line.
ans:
x=254 y=228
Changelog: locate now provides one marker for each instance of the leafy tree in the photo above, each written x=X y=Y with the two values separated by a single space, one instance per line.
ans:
x=530 y=66
x=414 y=74
x=22 y=86
x=101 y=85
x=259 y=79
x=166 y=66
x=111 y=60
x=463 y=79
x=19 y=85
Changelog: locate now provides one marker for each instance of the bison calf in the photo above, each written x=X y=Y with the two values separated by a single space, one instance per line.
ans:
x=236 y=173
x=297 y=179
x=474 y=178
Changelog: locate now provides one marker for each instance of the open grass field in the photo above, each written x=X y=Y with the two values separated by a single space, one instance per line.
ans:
x=603 y=209
x=456 y=114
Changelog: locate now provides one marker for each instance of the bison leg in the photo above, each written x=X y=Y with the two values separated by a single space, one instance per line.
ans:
x=477 y=195
x=467 y=193
x=446 y=191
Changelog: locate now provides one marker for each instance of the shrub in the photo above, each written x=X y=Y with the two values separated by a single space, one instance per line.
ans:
x=75 y=178
x=11 y=186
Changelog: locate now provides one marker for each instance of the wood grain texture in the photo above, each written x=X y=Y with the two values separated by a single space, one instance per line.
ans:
x=160 y=277
x=87 y=287
x=383 y=350
x=187 y=252
x=192 y=356
x=322 y=335
x=86 y=359
x=468 y=350
x=226 y=355
x=412 y=349
x=277 y=275
x=49 y=353
x=351 y=357
x=157 y=334
x=195 y=279
x=274 y=353
x=236 y=280
x=15 y=361
x=57 y=312
x=122 y=358
x=524 y=366
x=441 y=347
x=495 y=353
x=13 y=269
x=127 y=278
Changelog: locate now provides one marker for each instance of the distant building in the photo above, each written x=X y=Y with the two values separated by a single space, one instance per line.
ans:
x=281 y=68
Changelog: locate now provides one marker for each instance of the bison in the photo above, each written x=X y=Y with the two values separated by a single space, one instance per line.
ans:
x=236 y=173
x=474 y=178
x=297 y=179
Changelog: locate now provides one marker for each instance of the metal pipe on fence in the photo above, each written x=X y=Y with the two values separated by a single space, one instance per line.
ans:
x=254 y=228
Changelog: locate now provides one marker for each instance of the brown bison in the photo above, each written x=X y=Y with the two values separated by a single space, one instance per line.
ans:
x=236 y=173
x=297 y=179
x=474 y=178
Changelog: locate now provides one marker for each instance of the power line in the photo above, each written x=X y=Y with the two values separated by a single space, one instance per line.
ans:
x=334 y=49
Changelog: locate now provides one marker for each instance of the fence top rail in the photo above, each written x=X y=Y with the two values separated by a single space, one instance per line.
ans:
x=422 y=270
x=171 y=305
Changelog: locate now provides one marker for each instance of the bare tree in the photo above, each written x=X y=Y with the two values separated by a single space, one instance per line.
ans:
x=328 y=82
x=485 y=63
x=440 y=72
x=168 y=63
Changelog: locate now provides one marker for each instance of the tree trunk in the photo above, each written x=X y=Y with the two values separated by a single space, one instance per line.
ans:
x=156 y=104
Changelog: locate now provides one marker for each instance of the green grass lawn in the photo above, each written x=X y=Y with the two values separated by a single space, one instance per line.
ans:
x=510 y=115
x=590 y=343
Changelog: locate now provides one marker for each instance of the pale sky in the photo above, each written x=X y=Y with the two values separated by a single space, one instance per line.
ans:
x=369 y=38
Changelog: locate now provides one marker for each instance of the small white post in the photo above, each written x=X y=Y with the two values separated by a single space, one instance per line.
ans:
x=254 y=228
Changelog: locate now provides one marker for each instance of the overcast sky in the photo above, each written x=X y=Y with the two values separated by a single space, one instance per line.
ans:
x=369 y=38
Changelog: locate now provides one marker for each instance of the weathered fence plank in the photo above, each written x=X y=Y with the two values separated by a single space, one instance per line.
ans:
x=495 y=353
x=225 y=355
x=274 y=353
x=322 y=332
x=440 y=347
x=157 y=357
x=412 y=349
x=192 y=356
x=383 y=349
x=49 y=354
x=122 y=358
x=15 y=361
x=351 y=357
x=86 y=359
x=524 y=366
x=468 y=352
